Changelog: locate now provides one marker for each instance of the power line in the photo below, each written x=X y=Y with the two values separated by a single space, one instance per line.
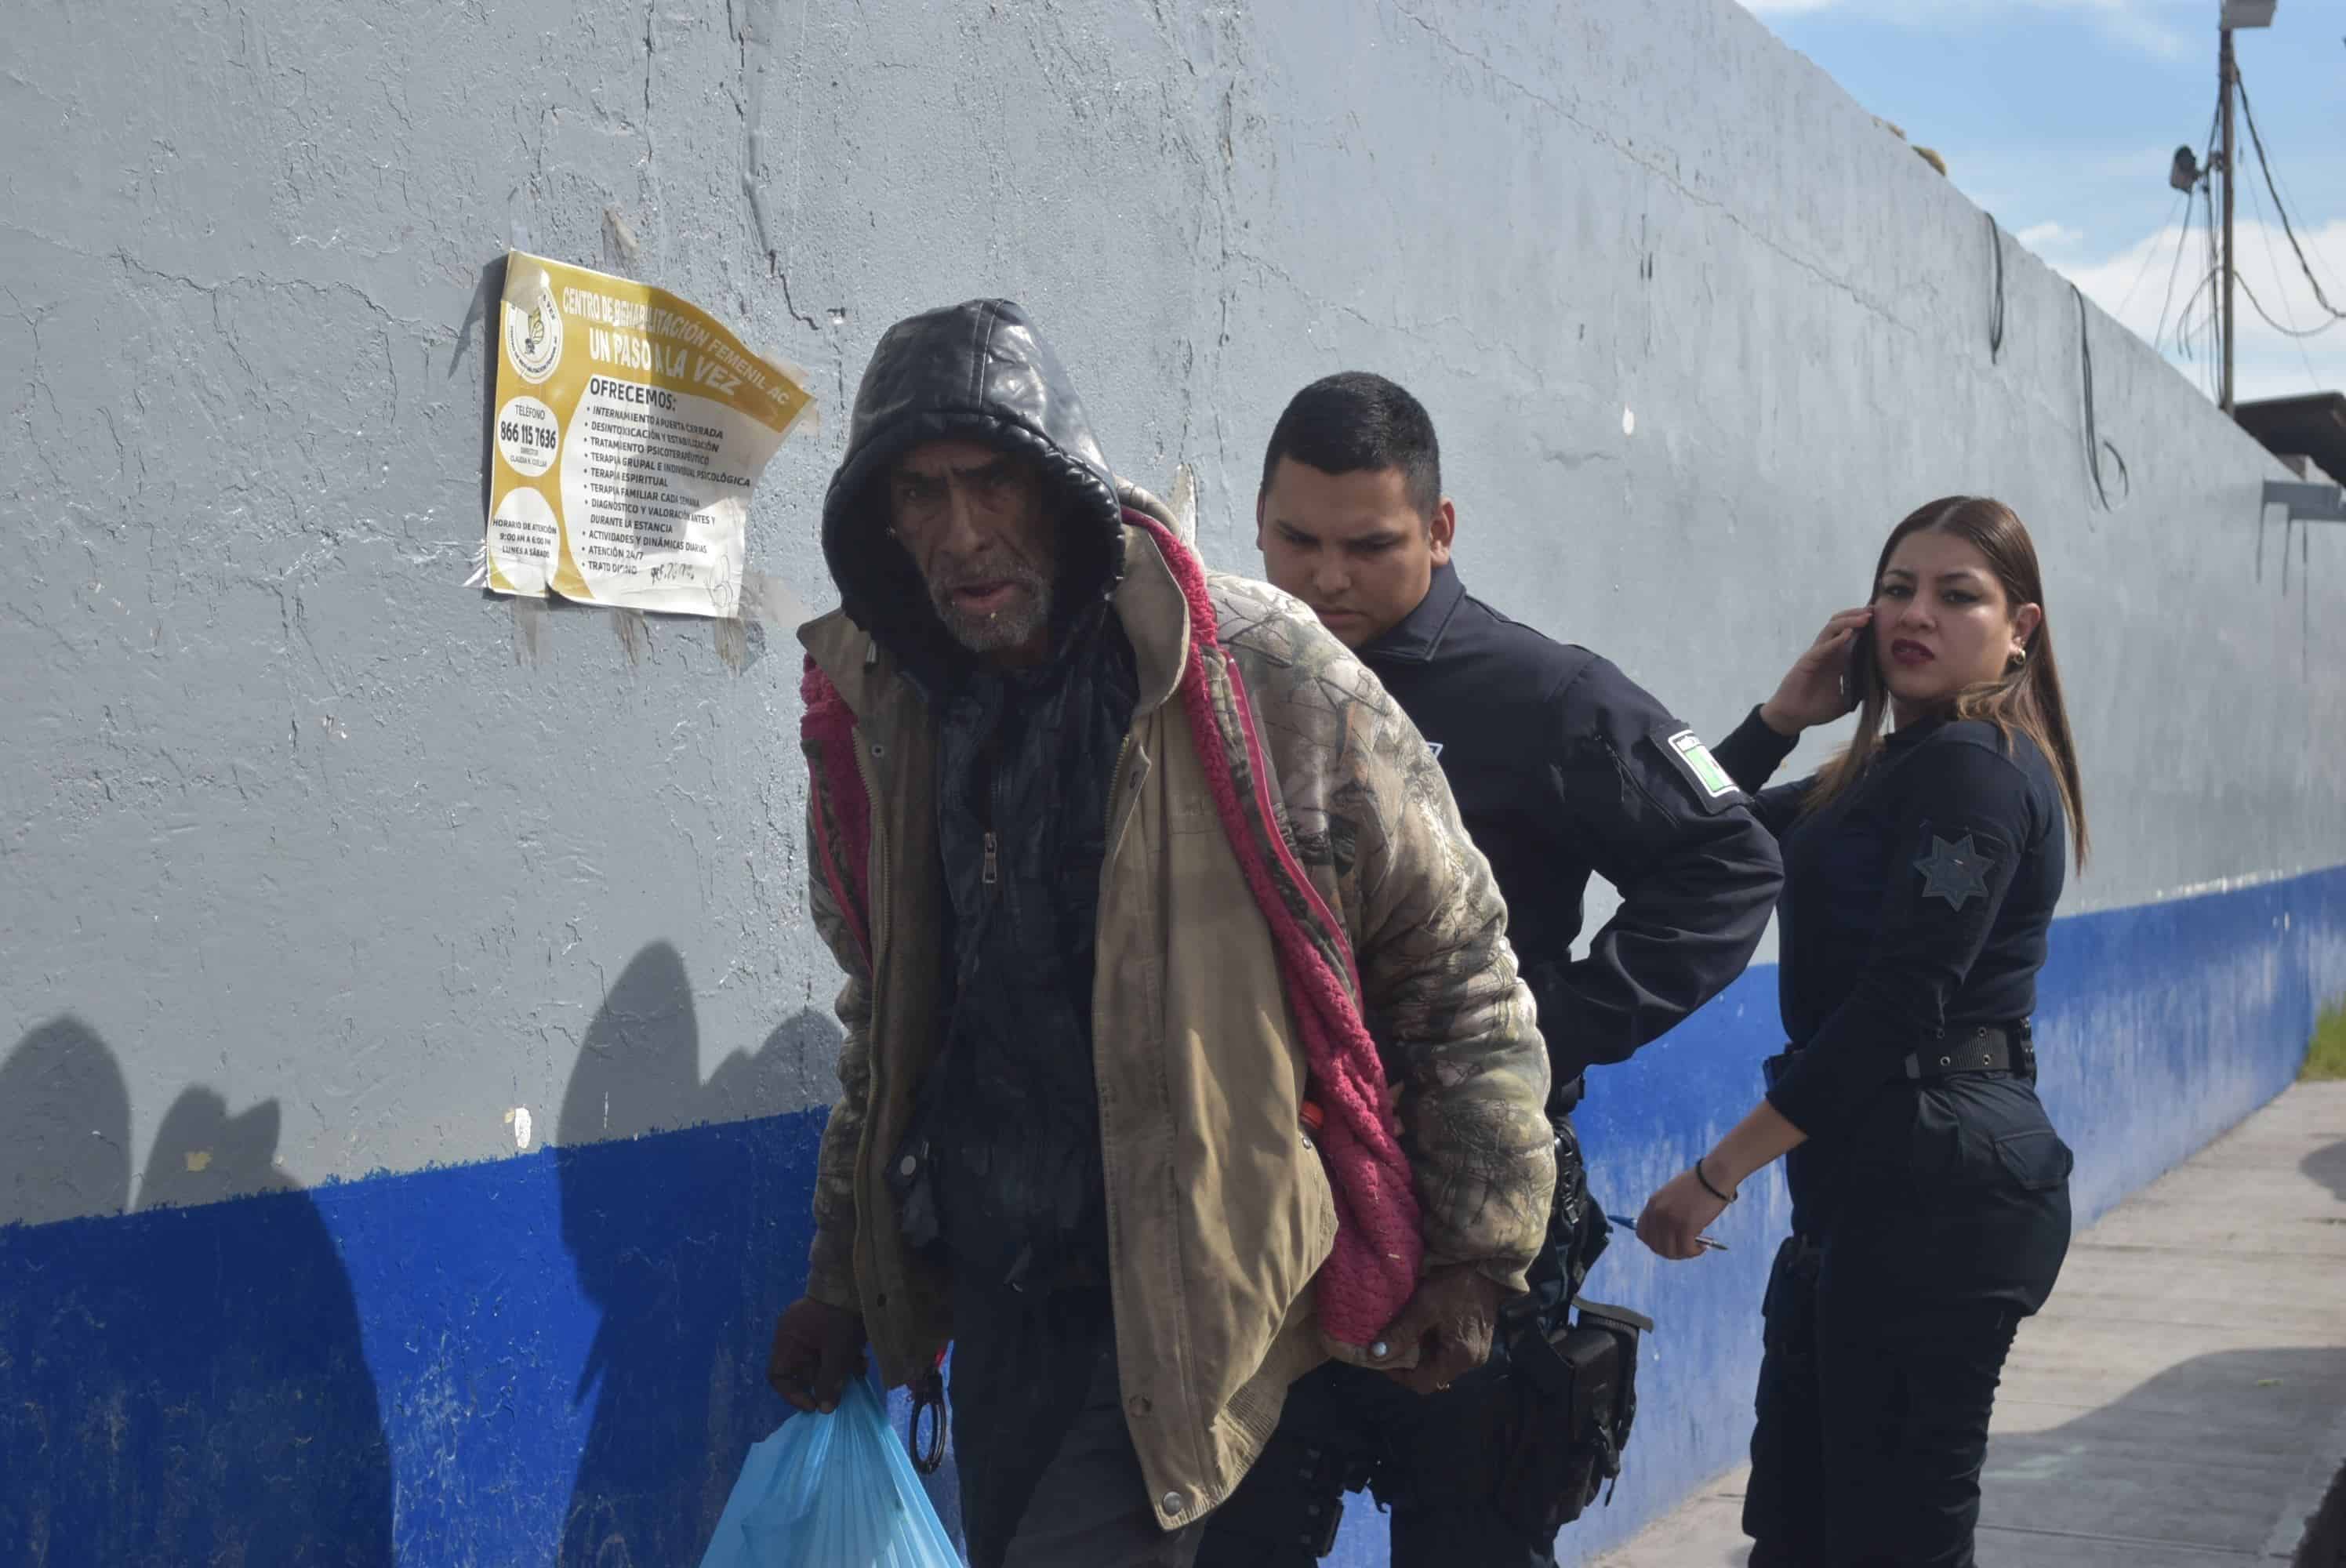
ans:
x=2264 y=165
x=2280 y=196
x=2288 y=196
x=2213 y=341
x=2201 y=350
x=2210 y=355
x=2241 y=278
x=2174 y=271
x=2183 y=243
x=2148 y=252
x=2264 y=232
x=2184 y=339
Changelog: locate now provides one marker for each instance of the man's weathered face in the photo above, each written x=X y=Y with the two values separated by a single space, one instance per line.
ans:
x=1350 y=545
x=975 y=522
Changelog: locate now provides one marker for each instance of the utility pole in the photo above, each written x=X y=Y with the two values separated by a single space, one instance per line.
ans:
x=2232 y=14
x=2224 y=77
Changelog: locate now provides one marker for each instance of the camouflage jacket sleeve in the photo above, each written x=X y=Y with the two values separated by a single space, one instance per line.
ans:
x=1372 y=813
x=830 y=1265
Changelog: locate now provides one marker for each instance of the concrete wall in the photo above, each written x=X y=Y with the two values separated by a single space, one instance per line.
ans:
x=339 y=890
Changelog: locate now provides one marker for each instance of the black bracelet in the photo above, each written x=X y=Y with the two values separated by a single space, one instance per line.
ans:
x=1721 y=1197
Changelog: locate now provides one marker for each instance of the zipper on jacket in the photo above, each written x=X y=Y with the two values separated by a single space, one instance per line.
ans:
x=1116 y=774
x=991 y=876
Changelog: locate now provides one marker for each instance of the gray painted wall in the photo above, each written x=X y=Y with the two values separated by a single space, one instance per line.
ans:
x=289 y=814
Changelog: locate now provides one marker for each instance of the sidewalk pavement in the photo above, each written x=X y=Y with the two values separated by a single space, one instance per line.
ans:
x=2181 y=1401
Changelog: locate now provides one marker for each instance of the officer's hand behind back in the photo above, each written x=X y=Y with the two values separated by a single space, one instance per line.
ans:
x=1812 y=692
x=816 y=1348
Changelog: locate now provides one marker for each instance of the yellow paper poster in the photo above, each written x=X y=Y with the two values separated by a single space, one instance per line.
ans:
x=629 y=427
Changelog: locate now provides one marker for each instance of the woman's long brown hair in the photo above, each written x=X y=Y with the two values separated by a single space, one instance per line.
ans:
x=2025 y=699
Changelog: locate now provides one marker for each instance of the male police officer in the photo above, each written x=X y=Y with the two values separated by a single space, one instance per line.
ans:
x=1562 y=767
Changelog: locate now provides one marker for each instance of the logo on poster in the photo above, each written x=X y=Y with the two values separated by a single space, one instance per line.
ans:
x=534 y=333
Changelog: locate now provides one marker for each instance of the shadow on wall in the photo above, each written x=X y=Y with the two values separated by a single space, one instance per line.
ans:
x=182 y=1387
x=688 y=1275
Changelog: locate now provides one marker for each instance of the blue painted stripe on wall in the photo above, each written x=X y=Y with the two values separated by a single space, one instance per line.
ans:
x=557 y=1358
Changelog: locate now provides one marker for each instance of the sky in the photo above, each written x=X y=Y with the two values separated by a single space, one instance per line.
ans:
x=2061 y=118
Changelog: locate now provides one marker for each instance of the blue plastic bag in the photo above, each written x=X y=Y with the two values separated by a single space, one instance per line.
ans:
x=830 y=1491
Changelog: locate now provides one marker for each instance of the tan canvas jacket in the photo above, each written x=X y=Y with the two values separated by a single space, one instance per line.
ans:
x=1218 y=1211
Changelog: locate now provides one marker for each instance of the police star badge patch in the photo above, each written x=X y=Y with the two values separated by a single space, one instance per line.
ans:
x=1956 y=872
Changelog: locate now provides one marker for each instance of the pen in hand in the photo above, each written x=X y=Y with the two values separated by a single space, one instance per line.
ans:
x=1631 y=1225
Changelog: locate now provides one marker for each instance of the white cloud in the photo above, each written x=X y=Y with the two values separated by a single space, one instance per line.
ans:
x=2132 y=286
x=2049 y=236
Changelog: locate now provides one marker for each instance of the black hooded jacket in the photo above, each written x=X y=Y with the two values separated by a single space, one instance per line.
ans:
x=978 y=373
x=1025 y=758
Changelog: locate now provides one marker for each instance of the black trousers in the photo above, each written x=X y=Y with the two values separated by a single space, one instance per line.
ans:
x=1434 y=1460
x=1924 y=1236
x=1090 y=1508
x=1428 y=1449
x=1049 y=1478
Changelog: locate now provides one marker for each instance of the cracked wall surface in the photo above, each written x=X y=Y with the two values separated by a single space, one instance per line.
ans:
x=287 y=813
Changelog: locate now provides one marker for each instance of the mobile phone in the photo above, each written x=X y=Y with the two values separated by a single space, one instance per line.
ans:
x=1858 y=671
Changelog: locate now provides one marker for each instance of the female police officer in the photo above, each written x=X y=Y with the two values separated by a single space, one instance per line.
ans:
x=1930 y=1195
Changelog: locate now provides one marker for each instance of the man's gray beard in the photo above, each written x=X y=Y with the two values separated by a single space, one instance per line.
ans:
x=1007 y=629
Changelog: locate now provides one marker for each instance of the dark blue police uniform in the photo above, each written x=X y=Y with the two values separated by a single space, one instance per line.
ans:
x=1931 y=1204
x=1563 y=768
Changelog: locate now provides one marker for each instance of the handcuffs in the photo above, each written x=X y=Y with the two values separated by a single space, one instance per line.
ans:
x=928 y=1390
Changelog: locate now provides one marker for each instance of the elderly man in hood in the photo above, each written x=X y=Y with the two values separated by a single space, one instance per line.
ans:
x=1184 y=1048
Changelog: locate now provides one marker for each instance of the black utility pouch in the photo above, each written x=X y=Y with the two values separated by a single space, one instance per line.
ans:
x=1578 y=1390
x=1294 y=1498
x=1788 y=1312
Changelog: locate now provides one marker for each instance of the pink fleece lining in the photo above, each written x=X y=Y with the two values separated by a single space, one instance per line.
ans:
x=827 y=728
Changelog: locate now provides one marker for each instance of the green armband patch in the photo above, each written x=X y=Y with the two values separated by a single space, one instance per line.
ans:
x=1700 y=765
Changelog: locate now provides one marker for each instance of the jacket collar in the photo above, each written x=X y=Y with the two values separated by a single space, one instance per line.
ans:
x=1915 y=731
x=1147 y=600
x=1418 y=636
x=1156 y=617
